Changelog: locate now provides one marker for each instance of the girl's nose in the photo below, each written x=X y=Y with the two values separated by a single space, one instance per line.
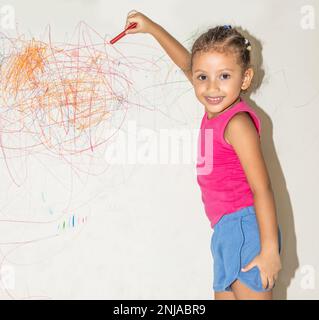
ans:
x=212 y=87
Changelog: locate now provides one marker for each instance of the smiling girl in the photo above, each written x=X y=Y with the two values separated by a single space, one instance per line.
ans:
x=236 y=190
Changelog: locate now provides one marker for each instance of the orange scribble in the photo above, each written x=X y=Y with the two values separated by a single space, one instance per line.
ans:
x=66 y=98
x=23 y=69
x=69 y=91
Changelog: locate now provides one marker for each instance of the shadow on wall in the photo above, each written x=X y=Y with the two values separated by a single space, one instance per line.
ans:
x=289 y=258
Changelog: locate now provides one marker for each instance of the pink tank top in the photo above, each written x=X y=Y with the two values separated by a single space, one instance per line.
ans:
x=220 y=175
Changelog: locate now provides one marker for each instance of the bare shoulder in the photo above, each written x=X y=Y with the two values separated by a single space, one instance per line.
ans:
x=240 y=124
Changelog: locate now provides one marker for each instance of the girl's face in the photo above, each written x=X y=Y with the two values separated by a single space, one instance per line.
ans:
x=218 y=80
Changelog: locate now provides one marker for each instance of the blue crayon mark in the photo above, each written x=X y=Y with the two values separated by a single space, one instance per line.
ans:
x=70 y=222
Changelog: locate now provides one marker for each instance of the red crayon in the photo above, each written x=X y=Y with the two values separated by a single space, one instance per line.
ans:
x=122 y=34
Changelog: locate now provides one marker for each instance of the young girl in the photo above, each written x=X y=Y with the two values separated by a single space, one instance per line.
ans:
x=232 y=175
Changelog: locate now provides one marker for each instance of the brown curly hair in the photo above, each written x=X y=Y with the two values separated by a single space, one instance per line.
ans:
x=224 y=39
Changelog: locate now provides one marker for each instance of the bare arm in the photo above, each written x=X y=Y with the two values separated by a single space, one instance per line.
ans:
x=176 y=51
x=242 y=135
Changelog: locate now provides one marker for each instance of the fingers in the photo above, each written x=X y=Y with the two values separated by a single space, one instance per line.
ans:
x=132 y=12
x=130 y=15
x=250 y=265
x=128 y=22
x=264 y=280
x=274 y=279
x=271 y=283
x=268 y=282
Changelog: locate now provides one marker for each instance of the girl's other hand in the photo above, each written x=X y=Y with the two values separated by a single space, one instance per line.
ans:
x=144 y=24
x=269 y=265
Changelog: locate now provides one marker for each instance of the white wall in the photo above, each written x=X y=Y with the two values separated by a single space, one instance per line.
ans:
x=146 y=235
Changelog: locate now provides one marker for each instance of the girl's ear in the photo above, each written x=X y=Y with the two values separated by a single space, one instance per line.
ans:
x=248 y=76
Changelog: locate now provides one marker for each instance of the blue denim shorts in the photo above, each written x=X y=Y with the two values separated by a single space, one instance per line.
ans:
x=235 y=242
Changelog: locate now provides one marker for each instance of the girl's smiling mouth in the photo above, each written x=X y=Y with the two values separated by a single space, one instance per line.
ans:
x=214 y=100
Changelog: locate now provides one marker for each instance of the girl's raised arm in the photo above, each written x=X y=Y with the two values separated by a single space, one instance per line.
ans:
x=176 y=51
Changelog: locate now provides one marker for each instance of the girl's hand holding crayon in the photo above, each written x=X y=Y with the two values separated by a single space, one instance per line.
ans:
x=144 y=24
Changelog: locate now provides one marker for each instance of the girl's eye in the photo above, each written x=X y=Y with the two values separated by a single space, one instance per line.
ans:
x=225 y=76
x=201 y=77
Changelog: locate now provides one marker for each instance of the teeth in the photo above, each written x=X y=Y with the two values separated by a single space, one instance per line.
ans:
x=214 y=99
